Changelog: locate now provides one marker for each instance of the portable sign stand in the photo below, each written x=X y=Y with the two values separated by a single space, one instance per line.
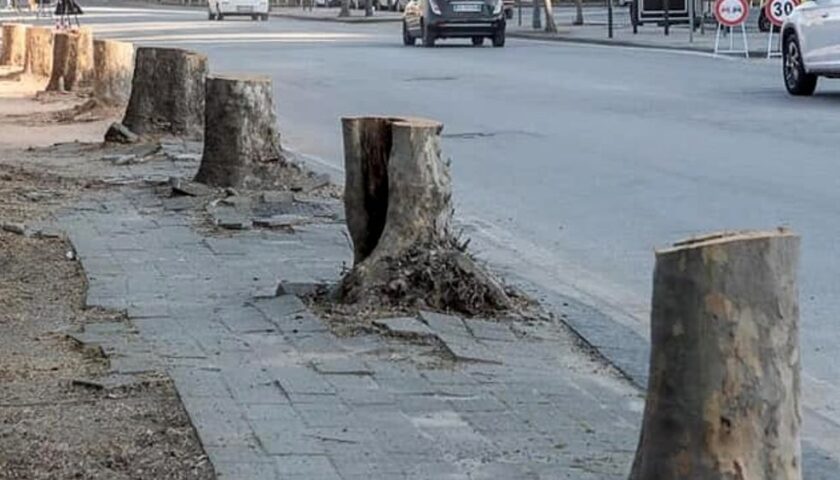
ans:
x=731 y=14
x=777 y=12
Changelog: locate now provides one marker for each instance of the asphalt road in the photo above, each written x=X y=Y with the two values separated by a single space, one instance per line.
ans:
x=572 y=163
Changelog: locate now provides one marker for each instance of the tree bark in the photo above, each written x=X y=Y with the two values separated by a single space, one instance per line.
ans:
x=536 y=22
x=723 y=394
x=65 y=74
x=550 y=24
x=14 y=45
x=368 y=8
x=167 y=93
x=241 y=142
x=39 y=51
x=113 y=70
x=398 y=204
x=345 y=8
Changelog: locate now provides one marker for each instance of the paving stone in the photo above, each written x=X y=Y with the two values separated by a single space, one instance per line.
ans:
x=278 y=437
x=486 y=330
x=301 y=380
x=277 y=308
x=444 y=324
x=405 y=327
x=200 y=382
x=341 y=366
x=219 y=421
x=264 y=470
x=467 y=349
x=315 y=467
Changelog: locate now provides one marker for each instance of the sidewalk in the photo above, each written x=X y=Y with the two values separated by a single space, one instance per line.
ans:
x=275 y=391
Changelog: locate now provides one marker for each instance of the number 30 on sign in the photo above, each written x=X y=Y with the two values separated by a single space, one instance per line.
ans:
x=777 y=11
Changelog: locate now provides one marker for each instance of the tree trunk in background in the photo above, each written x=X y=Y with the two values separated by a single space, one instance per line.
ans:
x=724 y=387
x=345 y=8
x=39 y=51
x=65 y=75
x=167 y=93
x=579 y=12
x=536 y=17
x=14 y=45
x=113 y=70
x=550 y=25
x=240 y=131
x=369 y=8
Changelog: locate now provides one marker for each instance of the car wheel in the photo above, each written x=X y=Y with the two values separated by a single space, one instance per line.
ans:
x=428 y=37
x=477 y=41
x=408 y=40
x=797 y=80
x=499 y=37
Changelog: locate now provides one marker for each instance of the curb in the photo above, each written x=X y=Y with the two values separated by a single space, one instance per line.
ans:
x=349 y=20
x=754 y=54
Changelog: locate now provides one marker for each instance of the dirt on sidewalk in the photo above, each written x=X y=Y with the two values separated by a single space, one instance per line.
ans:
x=58 y=419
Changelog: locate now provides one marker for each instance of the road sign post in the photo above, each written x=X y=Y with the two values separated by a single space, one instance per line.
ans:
x=731 y=14
x=777 y=12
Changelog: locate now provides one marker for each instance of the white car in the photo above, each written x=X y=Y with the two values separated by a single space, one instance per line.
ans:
x=811 y=45
x=219 y=9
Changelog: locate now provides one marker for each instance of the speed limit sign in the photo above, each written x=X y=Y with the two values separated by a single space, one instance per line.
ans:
x=731 y=13
x=778 y=10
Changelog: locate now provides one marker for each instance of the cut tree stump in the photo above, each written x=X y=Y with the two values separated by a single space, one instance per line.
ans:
x=14 y=45
x=113 y=69
x=85 y=57
x=65 y=75
x=39 y=51
x=723 y=394
x=398 y=204
x=241 y=143
x=167 y=93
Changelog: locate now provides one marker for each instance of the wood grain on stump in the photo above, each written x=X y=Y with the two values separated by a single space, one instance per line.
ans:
x=241 y=142
x=723 y=394
x=113 y=70
x=65 y=75
x=39 y=51
x=13 y=53
x=84 y=57
x=398 y=204
x=167 y=93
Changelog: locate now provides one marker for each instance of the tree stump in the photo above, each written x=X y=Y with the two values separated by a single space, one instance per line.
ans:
x=241 y=142
x=14 y=45
x=39 y=51
x=113 y=69
x=84 y=58
x=398 y=203
x=65 y=75
x=723 y=394
x=167 y=93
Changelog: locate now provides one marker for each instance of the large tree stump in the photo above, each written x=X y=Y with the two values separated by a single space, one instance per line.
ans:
x=398 y=203
x=65 y=75
x=39 y=51
x=723 y=393
x=167 y=93
x=113 y=70
x=14 y=45
x=241 y=142
x=84 y=58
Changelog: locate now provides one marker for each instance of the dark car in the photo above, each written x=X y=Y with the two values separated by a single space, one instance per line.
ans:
x=429 y=20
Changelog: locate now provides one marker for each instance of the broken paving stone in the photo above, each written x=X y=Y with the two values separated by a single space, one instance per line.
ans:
x=312 y=183
x=444 y=324
x=13 y=227
x=235 y=201
x=404 y=327
x=182 y=186
x=486 y=330
x=281 y=221
x=231 y=222
x=119 y=133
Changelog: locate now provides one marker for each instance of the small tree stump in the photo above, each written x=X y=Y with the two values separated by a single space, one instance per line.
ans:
x=113 y=69
x=39 y=51
x=723 y=394
x=14 y=45
x=167 y=93
x=65 y=75
x=240 y=132
x=398 y=203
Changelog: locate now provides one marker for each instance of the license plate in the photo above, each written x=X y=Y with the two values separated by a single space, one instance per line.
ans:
x=241 y=8
x=467 y=7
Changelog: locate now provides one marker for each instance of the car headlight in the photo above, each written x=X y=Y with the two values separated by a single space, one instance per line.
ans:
x=434 y=6
x=497 y=9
